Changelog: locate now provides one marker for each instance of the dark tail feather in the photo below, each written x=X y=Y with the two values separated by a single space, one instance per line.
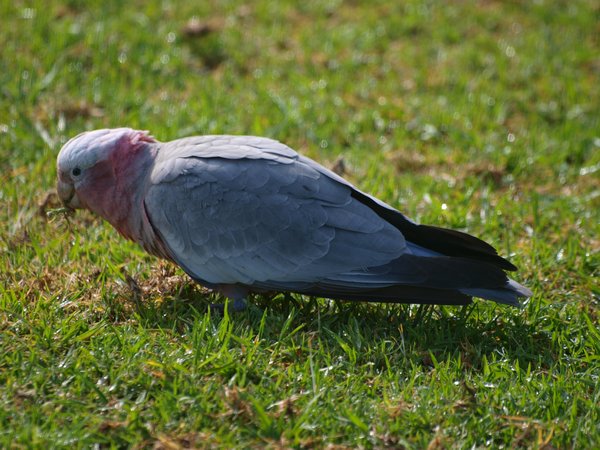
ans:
x=442 y=240
x=509 y=294
x=441 y=280
x=395 y=294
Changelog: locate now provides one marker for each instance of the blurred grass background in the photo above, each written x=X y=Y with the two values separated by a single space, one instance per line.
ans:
x=479 y=115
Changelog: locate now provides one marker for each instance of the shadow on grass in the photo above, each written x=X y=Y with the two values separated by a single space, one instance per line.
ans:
x=425 y=334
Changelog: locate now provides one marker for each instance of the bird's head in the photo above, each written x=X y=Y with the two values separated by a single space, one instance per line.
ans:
x=93 y=156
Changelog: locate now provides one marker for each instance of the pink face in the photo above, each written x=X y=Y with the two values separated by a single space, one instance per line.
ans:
x=86 y=164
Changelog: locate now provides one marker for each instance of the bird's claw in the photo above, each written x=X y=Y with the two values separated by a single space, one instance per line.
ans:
x=235 y=306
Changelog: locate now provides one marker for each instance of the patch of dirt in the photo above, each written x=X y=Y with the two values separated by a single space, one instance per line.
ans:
x=196 y=28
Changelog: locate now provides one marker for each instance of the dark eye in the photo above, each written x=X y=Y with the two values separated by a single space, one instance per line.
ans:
x=76 y=171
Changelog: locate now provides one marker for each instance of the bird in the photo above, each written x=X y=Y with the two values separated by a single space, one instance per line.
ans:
x=248 y=215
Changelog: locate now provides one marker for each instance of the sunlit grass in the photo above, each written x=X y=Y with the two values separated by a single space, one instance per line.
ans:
x=481 y=116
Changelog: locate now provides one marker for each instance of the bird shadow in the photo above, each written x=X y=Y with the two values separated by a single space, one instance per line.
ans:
x=476 y=333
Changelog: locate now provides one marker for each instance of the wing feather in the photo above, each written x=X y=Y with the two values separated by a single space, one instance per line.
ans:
x=233 y=210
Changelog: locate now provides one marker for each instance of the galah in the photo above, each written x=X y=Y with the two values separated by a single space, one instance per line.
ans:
x=242 y=214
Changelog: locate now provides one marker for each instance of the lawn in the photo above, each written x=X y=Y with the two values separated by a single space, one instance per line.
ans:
x=477 y=115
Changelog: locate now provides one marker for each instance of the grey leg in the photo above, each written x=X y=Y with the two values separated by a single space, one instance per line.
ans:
x=236 y=295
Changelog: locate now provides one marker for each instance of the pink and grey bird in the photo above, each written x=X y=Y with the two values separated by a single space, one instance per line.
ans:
x=245 y=214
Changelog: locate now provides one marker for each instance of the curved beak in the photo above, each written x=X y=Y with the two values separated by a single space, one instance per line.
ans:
x=67 y=195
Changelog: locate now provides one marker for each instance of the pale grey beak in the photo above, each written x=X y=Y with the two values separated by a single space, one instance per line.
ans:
x=67 y=195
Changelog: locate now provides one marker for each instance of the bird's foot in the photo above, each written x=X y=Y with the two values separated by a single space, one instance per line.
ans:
x=234 y=306
x=237 y=298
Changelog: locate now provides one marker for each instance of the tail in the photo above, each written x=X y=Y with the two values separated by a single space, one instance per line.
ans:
x=438 y=280
x=508 y=295
x=445 y=267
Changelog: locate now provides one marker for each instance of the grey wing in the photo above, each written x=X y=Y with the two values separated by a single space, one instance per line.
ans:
x=276 y=221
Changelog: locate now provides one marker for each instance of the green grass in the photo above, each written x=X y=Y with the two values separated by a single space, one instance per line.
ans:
x=478 y=115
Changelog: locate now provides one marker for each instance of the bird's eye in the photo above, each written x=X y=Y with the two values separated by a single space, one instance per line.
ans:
x=76 y=171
